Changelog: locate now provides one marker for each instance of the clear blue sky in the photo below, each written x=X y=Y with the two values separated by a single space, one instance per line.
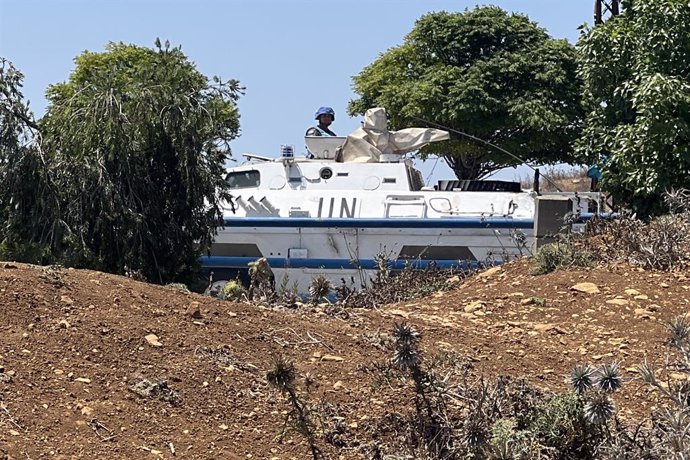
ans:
x=291 y=55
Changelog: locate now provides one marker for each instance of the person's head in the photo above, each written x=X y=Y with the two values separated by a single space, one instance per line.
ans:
x=325 y=116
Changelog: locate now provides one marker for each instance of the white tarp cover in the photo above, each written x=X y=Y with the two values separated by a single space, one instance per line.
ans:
x=368 y=143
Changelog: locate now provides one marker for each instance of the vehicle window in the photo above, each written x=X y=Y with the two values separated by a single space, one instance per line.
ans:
x=243 y=179
x=414 y=177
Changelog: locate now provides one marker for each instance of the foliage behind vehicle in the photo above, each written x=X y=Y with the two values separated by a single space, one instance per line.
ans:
x=494 y=75
x=636 y=73
x=133 y=153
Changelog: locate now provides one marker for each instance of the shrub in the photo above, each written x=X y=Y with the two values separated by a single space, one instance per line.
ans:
x=233 y=290
x=663 y=243
x=560 y=255
x=456 y=416
x=180 y=287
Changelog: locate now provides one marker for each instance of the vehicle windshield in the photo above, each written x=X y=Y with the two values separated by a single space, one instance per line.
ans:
x=243 y=179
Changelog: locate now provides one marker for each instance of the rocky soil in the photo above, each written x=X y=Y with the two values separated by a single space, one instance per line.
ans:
x=94 y=365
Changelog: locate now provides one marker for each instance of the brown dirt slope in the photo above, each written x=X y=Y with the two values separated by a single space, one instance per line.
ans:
x=73 y=347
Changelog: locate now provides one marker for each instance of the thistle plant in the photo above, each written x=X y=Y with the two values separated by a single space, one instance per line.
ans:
x=608 y=378
x=674 y=421
x=282 y=376
x=679 y=329
x=581 y=378
x=476 y=433
x=287 y=294
x=406 y=355
x=599 y=408
x=595 y=387
x=432 y=430
x=319 y=288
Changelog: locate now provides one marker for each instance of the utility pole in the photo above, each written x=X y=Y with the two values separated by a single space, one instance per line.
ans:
x=605 y=7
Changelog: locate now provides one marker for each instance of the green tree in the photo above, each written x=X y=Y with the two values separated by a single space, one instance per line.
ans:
x=636 y=73
x=22 y=173
x=487 y=73
x=137 y=141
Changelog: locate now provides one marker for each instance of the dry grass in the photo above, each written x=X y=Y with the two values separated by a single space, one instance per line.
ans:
x=568 y=179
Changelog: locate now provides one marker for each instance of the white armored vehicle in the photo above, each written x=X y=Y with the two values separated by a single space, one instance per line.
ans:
x=355 y=198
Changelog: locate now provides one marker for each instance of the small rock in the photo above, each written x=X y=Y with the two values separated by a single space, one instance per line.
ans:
x=664 y=285
x=620 y=302
x=14 y=432
x=64 y=324
x=641 y=297
x=489 y=272
x=82 y=380
x=337 y=385
x=194 y=311
x=223 y=427
x=402 y=313
x=632 y=292
x=86 y=410
x=331 y=358
x=474 y=306
x=544 y=327
x=152 y=339
x=66 y=300
x=587 y=288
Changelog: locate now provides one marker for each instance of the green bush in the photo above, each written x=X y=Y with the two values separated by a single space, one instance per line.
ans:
x=233 y=290
x=559 y=255
x=179 y=287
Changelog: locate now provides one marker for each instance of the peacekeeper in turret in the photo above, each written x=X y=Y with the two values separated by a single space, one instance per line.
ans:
x=325 y=116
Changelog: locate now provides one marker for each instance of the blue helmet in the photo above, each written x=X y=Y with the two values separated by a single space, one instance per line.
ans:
x=324 y=111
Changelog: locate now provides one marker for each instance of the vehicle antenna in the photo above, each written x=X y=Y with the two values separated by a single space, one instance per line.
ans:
x=489 y=144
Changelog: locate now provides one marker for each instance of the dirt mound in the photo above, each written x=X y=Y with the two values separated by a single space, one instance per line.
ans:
x=99 y=366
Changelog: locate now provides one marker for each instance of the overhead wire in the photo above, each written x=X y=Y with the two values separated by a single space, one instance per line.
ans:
x=475 y=138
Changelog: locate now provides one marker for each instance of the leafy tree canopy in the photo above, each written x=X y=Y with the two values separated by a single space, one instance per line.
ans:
x=636 y=73
x=494 y=75
x=137 y=139
x=21 y=166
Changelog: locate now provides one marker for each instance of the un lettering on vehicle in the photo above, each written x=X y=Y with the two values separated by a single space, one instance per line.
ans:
x=342 y=208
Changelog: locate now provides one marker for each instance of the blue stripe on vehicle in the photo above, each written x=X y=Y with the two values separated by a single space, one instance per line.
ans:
x=602 y=215
x=367 y=264
x=393 y=222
